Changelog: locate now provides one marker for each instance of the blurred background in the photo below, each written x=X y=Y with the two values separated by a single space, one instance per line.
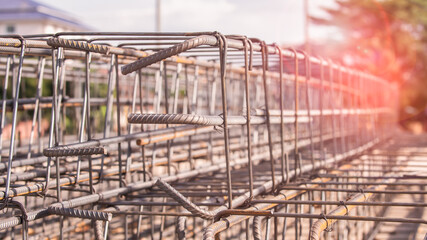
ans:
x=383 y=37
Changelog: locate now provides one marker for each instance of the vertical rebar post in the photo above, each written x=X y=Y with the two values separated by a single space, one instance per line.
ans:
x=223 y=45
x=14 y=118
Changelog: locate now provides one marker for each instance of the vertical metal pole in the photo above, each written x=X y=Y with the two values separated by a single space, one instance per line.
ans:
x=60 y=66
x=188 y=109
x=341 y=120
x=296 y=102
x=110 y=97
x=106 y=230
x=223 y=56
x=168 y=142
x=176 y=90
x=332 y=105
x=212 y=104
x=89 y=133
x=130 y=126
x=284 y=159
x=176 y=81
x=267 y=228
x=119 y=145
x=306 y=27
x=158 y=15
x=14 y=120
x=109 y=106
x=138 y=229
x=41 y=64
x=296 y=223
x=321 y=117
x=285 y=225
x=308 y=104
x=82 y=132
x=60 y=107
x=3 y=107
x=264 y=52
x=141 y=108
x=248 y=120
x=157 y=101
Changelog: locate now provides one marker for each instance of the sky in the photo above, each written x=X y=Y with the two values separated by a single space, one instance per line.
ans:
x=280 y=21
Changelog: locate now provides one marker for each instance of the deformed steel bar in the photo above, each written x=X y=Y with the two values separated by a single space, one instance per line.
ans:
x=65 y=151
x=14 y=221
x=87 y=214
x=147 y=203
x=195 y=42
x=191 y=207
x=258 y=112
x=239 y=212
x=347 y=183
x=37 y=186
x=205 y=120
x=144 y=213
x=355 y=190
x=397 y=204
x=402 y=177
x=321 y=225
x=223 y=224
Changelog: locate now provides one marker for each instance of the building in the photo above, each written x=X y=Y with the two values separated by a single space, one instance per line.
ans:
x=30 y=17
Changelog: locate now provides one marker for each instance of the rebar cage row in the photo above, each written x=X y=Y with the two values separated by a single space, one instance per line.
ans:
x=193 y=135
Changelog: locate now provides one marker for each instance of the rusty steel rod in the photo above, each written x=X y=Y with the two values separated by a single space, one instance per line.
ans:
x=235 y=135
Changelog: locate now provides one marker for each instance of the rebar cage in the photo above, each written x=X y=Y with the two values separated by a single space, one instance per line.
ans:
x=196 y=135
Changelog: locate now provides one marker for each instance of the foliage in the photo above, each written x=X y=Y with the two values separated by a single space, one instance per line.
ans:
x=387 y=38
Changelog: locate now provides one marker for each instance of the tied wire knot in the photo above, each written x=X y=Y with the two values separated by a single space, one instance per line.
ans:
x=252 y=112
x=281 y=193
x=149 y=174
x=342 y=203
x=4 y=204
x=248 y=202
x=328 y=228
x=123 y=181
x=277 y=190
x=40 y=194
x=220 y=128
x=9 y=202
x=363 y=192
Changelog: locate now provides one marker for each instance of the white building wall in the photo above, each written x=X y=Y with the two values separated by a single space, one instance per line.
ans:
x=35 y=27
x=54 y=28
x=22 y=27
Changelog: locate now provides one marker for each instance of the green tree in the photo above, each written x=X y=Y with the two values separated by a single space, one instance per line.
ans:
x=387 y=38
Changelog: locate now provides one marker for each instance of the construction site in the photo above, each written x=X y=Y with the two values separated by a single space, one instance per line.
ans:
x=200 y=136
x=110 y=131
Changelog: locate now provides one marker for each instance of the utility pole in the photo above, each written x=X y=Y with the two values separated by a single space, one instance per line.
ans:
x=306 y=33
x=158 y=17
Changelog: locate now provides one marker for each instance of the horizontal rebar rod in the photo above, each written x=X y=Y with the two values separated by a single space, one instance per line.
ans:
x=322 y=216
x=14 y=221
x=204 y=120
x=368 y=183
x=142 y=203
x=60 y=151
x=304 y=115
x=403 y=176
x=355 y=190
x=396 y=204
x=144 y=213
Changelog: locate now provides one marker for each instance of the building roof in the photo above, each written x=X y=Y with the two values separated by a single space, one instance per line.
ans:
x=16 y=10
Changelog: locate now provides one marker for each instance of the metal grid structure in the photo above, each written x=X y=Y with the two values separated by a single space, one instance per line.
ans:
x=198 y=135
